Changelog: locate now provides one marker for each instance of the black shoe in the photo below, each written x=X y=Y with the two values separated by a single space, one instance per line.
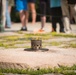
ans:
x=62 y=31
x=23 y=29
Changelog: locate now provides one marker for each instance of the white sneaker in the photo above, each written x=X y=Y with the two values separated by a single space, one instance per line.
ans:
x=68 y=32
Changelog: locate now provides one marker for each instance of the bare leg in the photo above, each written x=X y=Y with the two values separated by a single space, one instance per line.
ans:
x=33 y=11
x=22 y=18
x=26 y=17
x=43 y=21
x=9 y=9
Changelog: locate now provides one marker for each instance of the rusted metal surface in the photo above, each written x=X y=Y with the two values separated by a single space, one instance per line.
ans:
x=36 y=44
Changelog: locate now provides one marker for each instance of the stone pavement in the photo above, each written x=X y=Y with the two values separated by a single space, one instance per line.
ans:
x=33 y=28
x=19 y=58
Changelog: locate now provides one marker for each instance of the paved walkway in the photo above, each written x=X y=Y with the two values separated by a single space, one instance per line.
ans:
x=20 y=58
x=34 y=28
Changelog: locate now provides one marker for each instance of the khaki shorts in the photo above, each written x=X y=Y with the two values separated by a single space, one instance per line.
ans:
x=10 y=2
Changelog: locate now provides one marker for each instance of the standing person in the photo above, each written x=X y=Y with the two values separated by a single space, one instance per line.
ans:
x=31 y=5
x=66 y=16
x=22 y=7
x=43 y=7
x=56 y=13
x=5 y=14
x=72 y=5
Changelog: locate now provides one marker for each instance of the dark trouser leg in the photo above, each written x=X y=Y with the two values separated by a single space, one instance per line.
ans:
x=54 y=23
x=61 y=24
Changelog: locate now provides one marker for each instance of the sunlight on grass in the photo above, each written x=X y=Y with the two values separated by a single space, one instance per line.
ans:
x=64 y=35
x=12 y=41
x=71 y=45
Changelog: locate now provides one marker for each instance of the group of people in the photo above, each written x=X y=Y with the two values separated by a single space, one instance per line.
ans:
x=22 y=6
x=59 y=12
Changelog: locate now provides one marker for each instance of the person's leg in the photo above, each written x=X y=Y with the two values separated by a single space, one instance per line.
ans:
x=21 y=7
x=65 y=13
x=75 y=7
x=8 y=19
x=73 y=12
x=9 y=9
x=59 y=19
x=27 y=14
x=67 y=24
x=54 y=21
x=10 y=4
x=43 y=14
x=23 y=20
x=71 y=16
x=55 y=14
x=26 y=18
x=3 y=12
x=43 y=21
x=61 y=24
x=33 y=11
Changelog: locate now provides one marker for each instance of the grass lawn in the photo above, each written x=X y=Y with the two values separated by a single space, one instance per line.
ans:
x=23 y=40
x=50 y=39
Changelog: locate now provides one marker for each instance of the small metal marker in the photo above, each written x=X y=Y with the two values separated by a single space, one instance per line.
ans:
x=36 y=44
